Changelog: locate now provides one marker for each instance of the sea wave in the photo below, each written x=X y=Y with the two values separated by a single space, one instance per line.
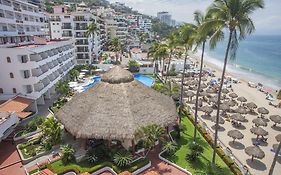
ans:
x=245 y=73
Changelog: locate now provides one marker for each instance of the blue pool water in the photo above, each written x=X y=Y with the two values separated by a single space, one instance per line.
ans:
x=146 y=80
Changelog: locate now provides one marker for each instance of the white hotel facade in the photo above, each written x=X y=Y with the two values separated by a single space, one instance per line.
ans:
x=66 y=25
x=30 y=65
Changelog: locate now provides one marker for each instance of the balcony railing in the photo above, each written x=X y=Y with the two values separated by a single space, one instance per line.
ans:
x=38 y=86
x=36 y=72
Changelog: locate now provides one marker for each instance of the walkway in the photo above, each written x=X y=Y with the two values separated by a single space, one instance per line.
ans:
x=159 y=167
x=10 y=162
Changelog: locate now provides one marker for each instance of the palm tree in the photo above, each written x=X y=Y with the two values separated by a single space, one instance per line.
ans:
x=200 y=39
x=234 y=16
x=150 y=134
x=186 y=39
x=68 y=154
x=162 y=53
x=151 y=52
x=172 y=43
x=51 y=131
x=74 y=74
x=91 y=29
x=122 y=159
x=115 y=46
x=63 y=88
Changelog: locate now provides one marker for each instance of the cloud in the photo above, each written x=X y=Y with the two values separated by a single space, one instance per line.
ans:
x=267 y=20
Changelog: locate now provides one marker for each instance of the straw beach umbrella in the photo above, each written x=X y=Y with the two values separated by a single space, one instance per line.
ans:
x=237 y=117
x=204 y=79
x=241 y=110
x=233 y=95
x=214 y=119
x=115 y=108
x=276 y=119
x=207 y=109
x=278 y=138
x=259 y=122
x=251 y=105
x=225 y=91
x=262 y=110
x=241 y=99
x=230 y=103
x=259 y=131
x=235 y=134
x=255 y=152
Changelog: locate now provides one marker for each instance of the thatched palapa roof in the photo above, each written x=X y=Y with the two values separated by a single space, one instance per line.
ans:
x=115 y=108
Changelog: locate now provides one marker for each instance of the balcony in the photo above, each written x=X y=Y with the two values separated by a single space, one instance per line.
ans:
x=44 y=55
x=55 y=62
x=64 y=68
x=51 y=65
x=55 y=19
x=46 y=81
x=67 y=35
x=60 y=70
x=35 y=57
x=60 y=60
x=80 y=28
x=52 y=77
x=36 y=72
x=44 y=68
x=38 y=86
x=66 y=27
x=56 y=73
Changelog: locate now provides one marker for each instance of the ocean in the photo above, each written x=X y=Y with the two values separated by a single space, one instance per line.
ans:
x=258 y=59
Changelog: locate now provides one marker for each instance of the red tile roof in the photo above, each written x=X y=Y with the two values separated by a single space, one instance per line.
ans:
x=18 y=105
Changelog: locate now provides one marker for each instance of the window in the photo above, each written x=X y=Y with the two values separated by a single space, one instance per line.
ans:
x=8 y=59
x=11 y=75
x=14 y=90
x=54 y=23
x=1 y=91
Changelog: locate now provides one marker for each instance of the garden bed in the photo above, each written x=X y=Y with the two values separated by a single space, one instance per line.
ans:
x=31 y=148
x=185 y=140
x=84 y=166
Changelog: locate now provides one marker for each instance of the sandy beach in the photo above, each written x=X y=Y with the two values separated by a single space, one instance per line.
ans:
x=258 y=167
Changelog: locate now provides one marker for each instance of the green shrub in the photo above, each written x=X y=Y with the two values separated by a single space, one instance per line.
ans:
x=235 y=170
x=91 y=156
x=133 y=66
x=196 y=151
x=68 y=154
x=220 y=152
x=122 y=159
x=170 y=147
x=228 y=161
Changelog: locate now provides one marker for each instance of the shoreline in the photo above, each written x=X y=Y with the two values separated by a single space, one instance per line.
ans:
x=218 y=69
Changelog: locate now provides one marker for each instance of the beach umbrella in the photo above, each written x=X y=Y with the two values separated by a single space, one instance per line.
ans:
x=230 y=103
x=211 y=91
x=276 y=119
x=233 y=95
x=255 y=152
x=204 y=93
x=214 y=119
x=241 y=110
x=259 y=131
x=203 y=85
x=251 y=105
x=235 y=134
x=259 y=122
x=237 y=117
x=200 y=102
x=204 y=79
x=189 y=94
x=225 y=91
x=242 y=99
x=278 y=138
x=213 y=100
x=262 y=110
x=207 y=109
x=275 y=147
x=224 y=107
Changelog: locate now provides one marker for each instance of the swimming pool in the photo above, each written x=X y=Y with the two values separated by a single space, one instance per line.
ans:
x=146 y=80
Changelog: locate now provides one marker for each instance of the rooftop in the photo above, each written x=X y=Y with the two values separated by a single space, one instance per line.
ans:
x=4 y=116
x=18 y=105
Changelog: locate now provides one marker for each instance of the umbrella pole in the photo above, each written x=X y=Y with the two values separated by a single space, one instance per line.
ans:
x=252 y=158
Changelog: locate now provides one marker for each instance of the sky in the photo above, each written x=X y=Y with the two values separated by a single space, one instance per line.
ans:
x=267 y=20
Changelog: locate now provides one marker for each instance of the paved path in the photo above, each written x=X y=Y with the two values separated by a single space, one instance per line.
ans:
x=159 y=167
x=10 y=162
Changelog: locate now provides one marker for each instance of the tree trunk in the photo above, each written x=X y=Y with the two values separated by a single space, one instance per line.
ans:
x=169 y=62
x=219 y=98
x=275 y=159
x=197 y=93
x=182 y=80
x=162 y=71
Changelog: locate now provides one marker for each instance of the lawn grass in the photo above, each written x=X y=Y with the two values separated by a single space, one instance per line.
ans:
x=84 y=166
x=203 y=161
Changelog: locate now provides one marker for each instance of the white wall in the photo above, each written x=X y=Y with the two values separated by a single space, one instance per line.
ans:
x=13 y=119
